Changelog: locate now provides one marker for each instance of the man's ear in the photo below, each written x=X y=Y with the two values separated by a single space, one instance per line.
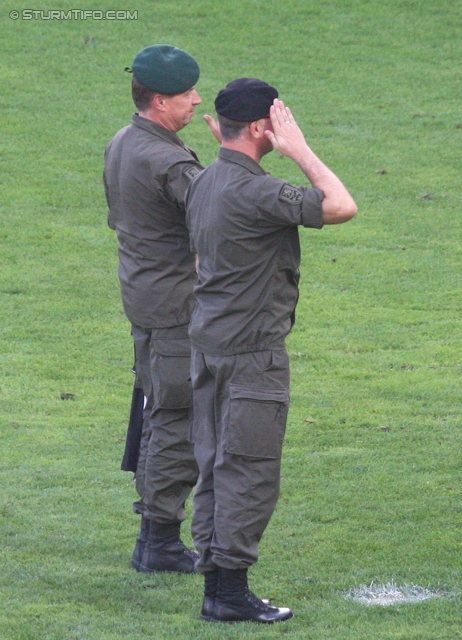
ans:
x=158 y=101
x=257 y=128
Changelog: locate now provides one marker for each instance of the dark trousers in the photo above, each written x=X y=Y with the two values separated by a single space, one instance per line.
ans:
x=167 y=470
x=240 y=412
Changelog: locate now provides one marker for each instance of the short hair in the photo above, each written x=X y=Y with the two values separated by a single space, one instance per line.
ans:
x=230 y=129
x=142 y=95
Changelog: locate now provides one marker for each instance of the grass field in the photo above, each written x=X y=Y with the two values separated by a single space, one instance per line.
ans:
x=371 y=491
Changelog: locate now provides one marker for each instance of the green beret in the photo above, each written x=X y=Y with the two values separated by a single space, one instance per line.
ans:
x=165 y=69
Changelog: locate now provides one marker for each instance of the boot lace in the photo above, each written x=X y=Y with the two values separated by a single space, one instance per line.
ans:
x=255 y=600
x=182 y=548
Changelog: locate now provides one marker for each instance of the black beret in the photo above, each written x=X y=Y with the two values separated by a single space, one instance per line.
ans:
x=165 y=69
x=245 y=100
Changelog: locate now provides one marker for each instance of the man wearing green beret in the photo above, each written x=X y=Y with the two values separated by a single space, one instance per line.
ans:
x=147 y=171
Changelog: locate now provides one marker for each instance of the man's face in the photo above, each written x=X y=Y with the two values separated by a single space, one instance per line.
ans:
x=179 y=109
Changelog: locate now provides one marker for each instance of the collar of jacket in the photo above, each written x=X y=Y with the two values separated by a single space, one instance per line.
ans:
x=242 y=159
x=157 y=130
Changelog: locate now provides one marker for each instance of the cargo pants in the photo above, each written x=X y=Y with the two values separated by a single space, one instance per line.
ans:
x=167 y=470
x=240 y=406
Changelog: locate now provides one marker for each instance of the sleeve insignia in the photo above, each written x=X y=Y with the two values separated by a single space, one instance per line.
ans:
x=291 y=194
x=192 y=171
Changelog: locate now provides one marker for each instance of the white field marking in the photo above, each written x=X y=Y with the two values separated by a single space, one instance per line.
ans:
x=391 y=593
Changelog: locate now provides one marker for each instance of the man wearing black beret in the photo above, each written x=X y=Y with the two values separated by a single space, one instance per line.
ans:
x=244 y=229
x=147 y=171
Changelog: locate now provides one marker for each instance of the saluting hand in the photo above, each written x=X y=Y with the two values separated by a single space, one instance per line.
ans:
x=286 y=136
x=214 y=127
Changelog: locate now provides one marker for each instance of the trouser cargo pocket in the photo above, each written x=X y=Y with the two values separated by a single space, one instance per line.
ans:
x=257 y=421
x=171 y=374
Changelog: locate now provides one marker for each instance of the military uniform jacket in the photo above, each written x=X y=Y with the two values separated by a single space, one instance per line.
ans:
x=147 y=171
x=244 y=227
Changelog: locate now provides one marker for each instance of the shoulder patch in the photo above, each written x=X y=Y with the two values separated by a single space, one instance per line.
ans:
x=192 y=171
x=291 y=194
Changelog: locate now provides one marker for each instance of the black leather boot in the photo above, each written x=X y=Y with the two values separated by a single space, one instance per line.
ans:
x=165 y=551
x=210 y=591
x=234 y=602
x=140 y=543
